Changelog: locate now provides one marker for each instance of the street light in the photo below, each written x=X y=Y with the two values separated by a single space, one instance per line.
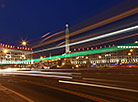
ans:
x=129 y=54
x=23 y=56
x=86 y=57
x=131 y=50
x=24 y=43
x=136 y=42
x=41 y=57
x=99 y=56
x=5 y=51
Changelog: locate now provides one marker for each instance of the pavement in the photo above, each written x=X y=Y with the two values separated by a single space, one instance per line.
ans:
x=7 y=95
x=70 y=86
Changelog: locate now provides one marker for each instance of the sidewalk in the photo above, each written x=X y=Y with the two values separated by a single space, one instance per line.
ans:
x=9 y=96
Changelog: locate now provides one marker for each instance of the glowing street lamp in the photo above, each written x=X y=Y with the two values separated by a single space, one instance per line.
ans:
x=86 y=57
x=5 y=51
x=24 y=43
x=131 y=50
x=129 y=54
x=136 y=42
x=41 y=57
x=99 y=56
x=23 y=56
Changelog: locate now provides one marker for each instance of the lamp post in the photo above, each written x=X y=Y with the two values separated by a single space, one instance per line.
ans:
x=24 y=43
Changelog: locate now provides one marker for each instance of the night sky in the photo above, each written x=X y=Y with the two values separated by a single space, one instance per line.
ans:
x=30 y=19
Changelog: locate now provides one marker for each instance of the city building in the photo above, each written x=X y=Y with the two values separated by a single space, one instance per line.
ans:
x=10 y=54
x=114 y=58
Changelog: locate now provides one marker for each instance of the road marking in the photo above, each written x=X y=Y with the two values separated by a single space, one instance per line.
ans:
x=67 y=91
x=18 y=94
x=95 y=85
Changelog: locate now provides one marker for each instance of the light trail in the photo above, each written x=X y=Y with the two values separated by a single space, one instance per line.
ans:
x=36 y=43
x=101 y=86
x=94 y=38
x=101 y=42
x=45 y=35
x=40 y=75
x=106 y=35
x=99 y=24
x=61 y=43
x=80 y=38
x=113 y=40
x=51 y=36
x=94 y=34
x=51 y=73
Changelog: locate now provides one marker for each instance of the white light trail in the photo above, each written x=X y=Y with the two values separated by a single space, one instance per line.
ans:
x=94 y=38
x=55 y=73
x=64 y=75
x=96 y=85
x=40 y=75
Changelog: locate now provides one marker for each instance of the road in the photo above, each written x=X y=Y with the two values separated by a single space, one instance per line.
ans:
x=69 y=86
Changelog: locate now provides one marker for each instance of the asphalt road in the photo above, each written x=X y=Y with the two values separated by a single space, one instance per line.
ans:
x=70 y=87
x=37 y=93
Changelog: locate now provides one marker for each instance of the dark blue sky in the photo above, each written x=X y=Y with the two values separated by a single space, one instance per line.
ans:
x=30 y=19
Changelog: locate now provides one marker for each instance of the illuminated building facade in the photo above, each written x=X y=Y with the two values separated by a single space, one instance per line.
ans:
x=122 y=57
x=12 y=54
x=98 y=56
